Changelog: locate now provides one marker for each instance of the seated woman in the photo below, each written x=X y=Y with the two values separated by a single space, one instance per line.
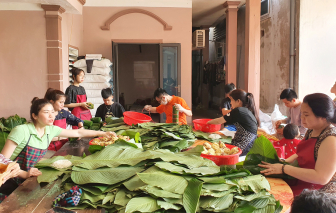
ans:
x=28 y=143
x=316 y=153
x=243 y=115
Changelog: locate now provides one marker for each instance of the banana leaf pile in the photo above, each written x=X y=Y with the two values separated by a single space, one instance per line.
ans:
x=160 y=135
x=263 y=150
x=121 y=178
x=6 y=125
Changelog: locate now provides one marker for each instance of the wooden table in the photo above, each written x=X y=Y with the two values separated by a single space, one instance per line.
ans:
x=281 y=191
x=34 y=197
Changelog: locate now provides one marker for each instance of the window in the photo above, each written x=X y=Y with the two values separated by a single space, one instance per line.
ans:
x=265 y=9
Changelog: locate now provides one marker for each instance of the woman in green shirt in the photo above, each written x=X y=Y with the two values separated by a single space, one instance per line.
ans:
x=28 y=143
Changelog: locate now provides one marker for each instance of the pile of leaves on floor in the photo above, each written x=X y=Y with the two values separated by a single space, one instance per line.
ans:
x=164 y=136
x=122 y=178
x=6 y=125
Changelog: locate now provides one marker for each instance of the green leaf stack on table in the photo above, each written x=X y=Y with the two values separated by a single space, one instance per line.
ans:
x=6 y=126
x=121 y=178
x=159 y=135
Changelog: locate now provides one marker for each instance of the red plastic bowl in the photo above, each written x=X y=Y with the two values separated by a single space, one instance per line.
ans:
x=201 y=124
x=90 y=142
x=226 y=159
x=135 y=118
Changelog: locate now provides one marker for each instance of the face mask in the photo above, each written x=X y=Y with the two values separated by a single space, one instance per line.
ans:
x=165 y=102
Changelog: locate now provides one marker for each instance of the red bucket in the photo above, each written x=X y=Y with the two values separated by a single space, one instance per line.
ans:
x=226 y=159
x=135 y=118
x=201 y=124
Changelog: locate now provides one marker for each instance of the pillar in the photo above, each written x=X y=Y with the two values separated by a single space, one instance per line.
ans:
x=53 y=15
x=252 y=49
x=231 y=8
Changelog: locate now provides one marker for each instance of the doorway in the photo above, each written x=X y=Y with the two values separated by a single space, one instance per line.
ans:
x=142 y=68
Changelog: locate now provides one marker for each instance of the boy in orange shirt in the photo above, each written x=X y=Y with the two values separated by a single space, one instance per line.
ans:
x=166 y=106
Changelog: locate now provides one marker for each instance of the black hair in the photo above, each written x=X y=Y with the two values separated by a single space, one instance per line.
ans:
x=229 y=87
x=313 y=201
x=106 y=93
x=37 y=105
x=76 y=71
x=290 y=131
x=159 y=91
x=54 y=94
x=248 y=101
x=288 y=94
x=322 y=106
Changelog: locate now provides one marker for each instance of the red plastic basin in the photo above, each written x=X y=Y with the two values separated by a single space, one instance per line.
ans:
x=135 y=118
x=226 y=159
x=201 y=124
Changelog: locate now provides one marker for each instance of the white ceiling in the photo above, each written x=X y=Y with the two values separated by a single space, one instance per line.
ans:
x=204 y=12
x=209 y=12
x=36 y=5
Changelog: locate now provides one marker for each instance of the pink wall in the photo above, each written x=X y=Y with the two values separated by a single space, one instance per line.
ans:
x=23 y=60
x=140 y=26
x=72 y=34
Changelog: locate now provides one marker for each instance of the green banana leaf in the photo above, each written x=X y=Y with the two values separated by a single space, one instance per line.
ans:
x=256 y=183
x=135 y=182
x=159 y=193
x=104 y=176
x=205 y=136
x=95 y=148
x=142 y=204
x=165 y=181
x=165 y=205
x=216 y=204
x=109 y=198
x=49 y=175
x=192 y=195
x=133 y=135
x=3 y=138
x=112 y=120
x=217 y=187
x=181 y=170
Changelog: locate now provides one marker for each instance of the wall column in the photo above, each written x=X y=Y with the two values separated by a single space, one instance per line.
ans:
x=252 y=49
x=231 y=8
x=54 y=45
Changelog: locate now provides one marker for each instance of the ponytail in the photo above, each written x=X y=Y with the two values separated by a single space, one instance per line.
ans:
x=250 y=104
x=248 y=101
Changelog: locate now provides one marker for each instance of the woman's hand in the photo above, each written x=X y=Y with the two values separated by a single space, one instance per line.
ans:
x=271 y=169
x=109 y=134
x=34 y=172
x=84 y=105
x=14 y=172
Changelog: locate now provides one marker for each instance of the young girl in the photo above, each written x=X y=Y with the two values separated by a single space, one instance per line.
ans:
x=28 y=143
x=76 y=94
x=243 y=115
x=316 y=153
x=63 y=117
